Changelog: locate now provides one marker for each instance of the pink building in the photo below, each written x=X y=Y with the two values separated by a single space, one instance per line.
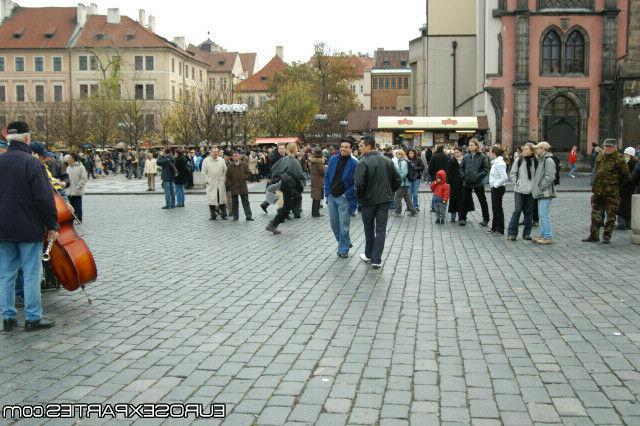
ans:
x=557 y=78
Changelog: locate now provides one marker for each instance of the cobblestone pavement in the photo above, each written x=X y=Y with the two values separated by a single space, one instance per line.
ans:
x=118 y=184
x=458 y=327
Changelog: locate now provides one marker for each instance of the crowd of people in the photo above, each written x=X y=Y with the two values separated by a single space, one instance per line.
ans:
x=356 y=177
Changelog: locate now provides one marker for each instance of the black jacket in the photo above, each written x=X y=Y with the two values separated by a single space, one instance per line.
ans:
x=183 y=172
x=376 y=179
x=27 y=209
x=635 y=178
x=438 y=162
x=167 y=166
x=473 y=170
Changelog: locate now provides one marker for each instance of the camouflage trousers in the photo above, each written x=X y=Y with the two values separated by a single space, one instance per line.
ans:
x=599 y=207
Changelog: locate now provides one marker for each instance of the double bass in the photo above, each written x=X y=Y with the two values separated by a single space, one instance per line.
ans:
x=71 y=260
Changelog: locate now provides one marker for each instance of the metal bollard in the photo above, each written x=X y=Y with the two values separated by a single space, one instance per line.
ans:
x=635 y=219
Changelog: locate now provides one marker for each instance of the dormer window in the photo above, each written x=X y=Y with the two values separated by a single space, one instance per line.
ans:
x=130 y=37
x=100 y=36
x=50 y=33
x=18 y=33
x=221 y=63
x=264 y=78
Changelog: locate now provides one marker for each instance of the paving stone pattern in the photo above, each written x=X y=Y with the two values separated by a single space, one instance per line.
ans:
x=457 y=328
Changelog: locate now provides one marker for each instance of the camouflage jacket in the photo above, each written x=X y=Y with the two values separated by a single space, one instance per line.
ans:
x=611 y=172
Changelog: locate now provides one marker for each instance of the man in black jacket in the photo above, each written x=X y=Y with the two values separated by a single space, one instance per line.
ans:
x=473 y=171
x=27 y=214
x=168 y=173
x=376 y=181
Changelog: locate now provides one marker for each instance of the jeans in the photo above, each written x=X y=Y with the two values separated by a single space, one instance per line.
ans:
x=441 y=207
x=572 y=169
x=169 y=194
x=375 y=219
x=180 y=195
x=415 y=186
x=76 y=203
x=340 y=219
x=27 y=256
x=482 y=198
x=544 y=211
x=497 y=225
x=523 y=203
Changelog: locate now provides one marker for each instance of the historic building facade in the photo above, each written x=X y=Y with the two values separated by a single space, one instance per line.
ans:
x=557 y=71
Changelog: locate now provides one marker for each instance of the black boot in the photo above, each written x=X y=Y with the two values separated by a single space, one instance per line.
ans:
x=212 y=209
x=264 y=206
x=315 y=208
x=223 y=211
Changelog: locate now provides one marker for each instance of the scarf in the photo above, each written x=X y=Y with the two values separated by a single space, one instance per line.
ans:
x=529 y=160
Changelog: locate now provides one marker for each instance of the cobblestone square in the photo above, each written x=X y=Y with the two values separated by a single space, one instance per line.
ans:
x=458 y=327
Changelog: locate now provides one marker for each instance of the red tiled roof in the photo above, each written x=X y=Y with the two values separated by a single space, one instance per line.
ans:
x=259 y=82
x=33 y=23
x=393 y=57
x=220 y=61
x=358 y=64
x=248 y=62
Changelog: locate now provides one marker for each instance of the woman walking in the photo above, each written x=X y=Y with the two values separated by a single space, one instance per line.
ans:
x=317 y=169
x=403 y=193
x=522 y=174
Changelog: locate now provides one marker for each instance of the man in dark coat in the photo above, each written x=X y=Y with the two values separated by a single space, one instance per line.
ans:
x=474 y=170
x=237 y=175
x=438 y=162
x=168 y=173
x=27 y=215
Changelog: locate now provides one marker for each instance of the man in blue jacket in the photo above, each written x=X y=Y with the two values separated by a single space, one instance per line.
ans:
x=339 y=189
x=27 y=214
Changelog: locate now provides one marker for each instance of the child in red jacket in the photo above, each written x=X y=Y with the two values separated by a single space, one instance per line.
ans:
x=441 y=191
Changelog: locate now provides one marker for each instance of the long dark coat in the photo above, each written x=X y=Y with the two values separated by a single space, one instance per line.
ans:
x=317 y=170
x=626 y=191
x=183 y=172
x=438 y=162
x=454 y=179
x=237 y=177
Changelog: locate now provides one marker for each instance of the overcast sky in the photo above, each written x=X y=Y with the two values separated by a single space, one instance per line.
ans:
x=260 y=25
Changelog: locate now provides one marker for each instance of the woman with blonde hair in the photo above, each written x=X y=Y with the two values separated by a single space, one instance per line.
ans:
x=150 y=171
x=403 y=193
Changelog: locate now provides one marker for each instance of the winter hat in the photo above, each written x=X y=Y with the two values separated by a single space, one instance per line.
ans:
x=630 y=151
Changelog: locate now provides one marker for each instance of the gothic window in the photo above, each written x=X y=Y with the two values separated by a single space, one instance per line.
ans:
x=551 y=47
x=574 y=53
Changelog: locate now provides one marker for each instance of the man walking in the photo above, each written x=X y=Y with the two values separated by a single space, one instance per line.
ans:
x=473 y=170
x=339 y=189
x=27 y=214
x=237 y=175
x=277 y=156
x=376 y=181
x=611 y=172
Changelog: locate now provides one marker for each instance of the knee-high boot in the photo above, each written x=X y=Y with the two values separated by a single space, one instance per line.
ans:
x=223 y=211
x=315 y=208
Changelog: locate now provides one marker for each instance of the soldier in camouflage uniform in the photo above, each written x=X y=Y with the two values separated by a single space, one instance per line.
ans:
x=610 y=173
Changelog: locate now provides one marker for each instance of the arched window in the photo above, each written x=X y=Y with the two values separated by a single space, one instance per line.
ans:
x=574 y=53
x=551 y=46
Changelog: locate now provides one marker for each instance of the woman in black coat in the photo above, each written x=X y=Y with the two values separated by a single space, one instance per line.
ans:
x=182 y=178
x=454 y=179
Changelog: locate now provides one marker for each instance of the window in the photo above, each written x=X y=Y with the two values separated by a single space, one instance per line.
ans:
x=499 y=54
x=149 y=63
x=38 y=64
x=93 y=63
x=3 y=94
x=574 y=53
x=223 y=83
x=20 y=93
x=406 y=83
x=57 y=63
x=386 y=63
x=173 y=65
x=361 y=88
x=393 y=82
x=94 y=89
x=39 y=93
x=551 y=45
x=180 y=68
x=193 y=74
x=150 y=91
x=19 y=63
x=84 y=91
x=138 y=63
x=403 y=64
x=2 y=63
x=83 y=64
x=173 y=92
x=200 y=76
x=375 y=83
x=386 y=83
x=150 y=122
x=139 y=91
x=57 y=93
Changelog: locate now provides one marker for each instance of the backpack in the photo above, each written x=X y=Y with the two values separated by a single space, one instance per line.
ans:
x=557 y=161
x=412 y=173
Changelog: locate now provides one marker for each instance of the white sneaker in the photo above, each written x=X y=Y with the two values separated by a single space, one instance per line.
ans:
x=376 y=265
x=364 y=258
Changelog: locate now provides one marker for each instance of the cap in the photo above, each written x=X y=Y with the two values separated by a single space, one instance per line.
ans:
x=630 y=151
x=17 y=128
x=610 y=142
x=40 y=149
x=543 y=145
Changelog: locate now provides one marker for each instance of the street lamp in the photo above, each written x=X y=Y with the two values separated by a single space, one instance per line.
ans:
x=344 y=124
x=632 y=101
x=229 y=111
x=322 y=119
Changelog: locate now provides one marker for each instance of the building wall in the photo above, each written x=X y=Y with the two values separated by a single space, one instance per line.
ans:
x=440 y=75
x=391 y=98
x=362 y=88
x=446 y=17
x=418 y=63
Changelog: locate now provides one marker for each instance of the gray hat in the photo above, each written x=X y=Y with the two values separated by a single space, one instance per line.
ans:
x=610 y=142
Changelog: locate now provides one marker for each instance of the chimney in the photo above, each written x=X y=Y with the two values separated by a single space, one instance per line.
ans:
x=113 y=16
x=152 y=23
x=93 y=9
x=81 y=15
x=280 y=52
x=180 y=42
x=142 y=16
x=7 y=8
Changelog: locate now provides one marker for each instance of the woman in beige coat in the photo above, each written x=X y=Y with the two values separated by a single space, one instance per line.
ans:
x=253 y=166
x=150 y=171
x=214 y=171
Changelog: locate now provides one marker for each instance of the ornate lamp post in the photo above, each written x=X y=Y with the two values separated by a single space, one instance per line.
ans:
x=229 y=111
x=343 y=125
x=322 y=120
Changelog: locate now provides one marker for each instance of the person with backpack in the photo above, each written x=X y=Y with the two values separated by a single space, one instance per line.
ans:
x=416 y=168
x=403 y=192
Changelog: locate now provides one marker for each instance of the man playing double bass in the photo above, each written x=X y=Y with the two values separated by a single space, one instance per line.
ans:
x=27 y=214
